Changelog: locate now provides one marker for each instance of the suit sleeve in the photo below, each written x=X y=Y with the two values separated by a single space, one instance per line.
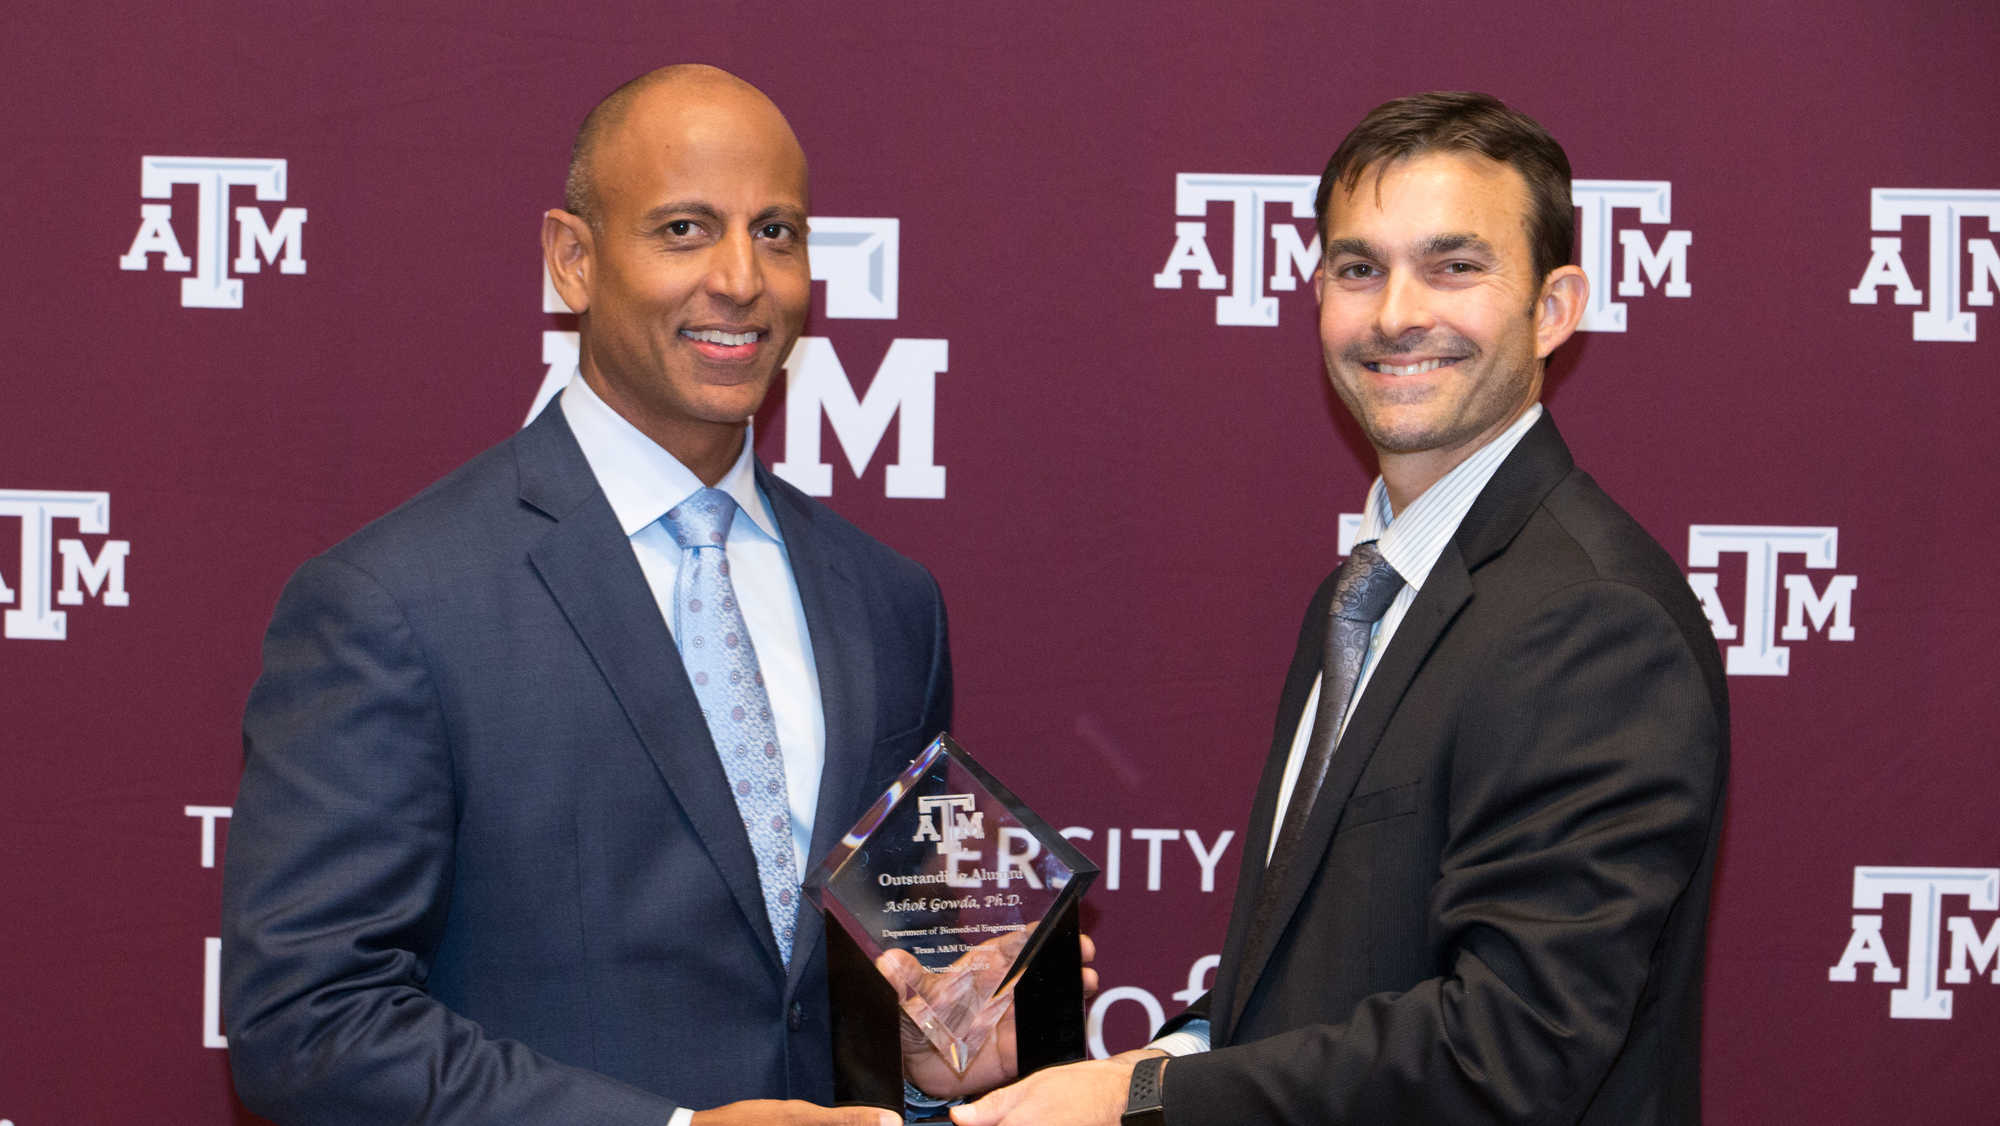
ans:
x=336 y=883
x=1584 y=783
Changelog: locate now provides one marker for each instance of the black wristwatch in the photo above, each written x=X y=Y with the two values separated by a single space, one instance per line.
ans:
x=1145 y=1100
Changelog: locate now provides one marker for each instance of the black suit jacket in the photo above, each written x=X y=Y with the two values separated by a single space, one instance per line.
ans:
x=485 y=865
x=1514 y=844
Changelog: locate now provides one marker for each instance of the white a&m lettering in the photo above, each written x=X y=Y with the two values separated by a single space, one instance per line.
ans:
x=35 y=596
x=1293 y=259
x=257 y=240
x=1946 y=317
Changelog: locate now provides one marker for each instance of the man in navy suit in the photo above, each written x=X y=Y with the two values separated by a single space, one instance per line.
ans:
x=486 y=864
x=1475 y=886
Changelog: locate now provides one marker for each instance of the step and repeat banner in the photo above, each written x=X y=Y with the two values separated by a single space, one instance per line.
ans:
x=273 y=268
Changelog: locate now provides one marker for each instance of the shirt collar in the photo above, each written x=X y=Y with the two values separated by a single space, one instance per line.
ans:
x=1413 y=539
x=642 y=480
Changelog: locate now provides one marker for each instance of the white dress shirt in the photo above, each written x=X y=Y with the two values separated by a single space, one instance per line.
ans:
x=1411 y=542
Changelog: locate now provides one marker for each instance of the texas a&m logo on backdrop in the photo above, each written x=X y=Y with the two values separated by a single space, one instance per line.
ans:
x=1931 y=894
x=258 y=240
x=1601 y=205
x=1249 y=197
x=98 y=573
x=1947 y=248
x=1273 y=255
x=859 y=260
x=1825 y=607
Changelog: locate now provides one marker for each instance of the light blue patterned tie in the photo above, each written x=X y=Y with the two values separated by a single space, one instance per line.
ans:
x=715 y=647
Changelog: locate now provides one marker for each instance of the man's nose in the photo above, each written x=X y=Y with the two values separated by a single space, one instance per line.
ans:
x=735 y=272
x=1406 y=307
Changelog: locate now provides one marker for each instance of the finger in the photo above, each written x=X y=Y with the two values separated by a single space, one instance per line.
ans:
x=904 y=973
x=989 y=1110
x=901 y=968
x=1088 y=948
x=795 y=1113
x=1089 y=981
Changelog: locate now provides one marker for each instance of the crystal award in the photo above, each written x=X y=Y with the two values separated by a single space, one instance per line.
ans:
x=949 y=902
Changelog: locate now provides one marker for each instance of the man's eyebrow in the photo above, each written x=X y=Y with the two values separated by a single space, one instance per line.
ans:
x=1454 y=244
x=689 y=207
x=785 y=211
x=1358 y=247
x=1435 y=245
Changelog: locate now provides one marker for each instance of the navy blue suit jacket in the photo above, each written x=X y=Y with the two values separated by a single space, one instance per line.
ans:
x=484 y=864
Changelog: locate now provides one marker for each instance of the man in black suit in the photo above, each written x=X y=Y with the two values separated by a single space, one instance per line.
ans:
x=491 y=861
x=1486 y=901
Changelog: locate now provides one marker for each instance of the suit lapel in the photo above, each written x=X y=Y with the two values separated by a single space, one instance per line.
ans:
x=1534 y=467
x=586 y=562
x=1537 y=465
x=843 y=654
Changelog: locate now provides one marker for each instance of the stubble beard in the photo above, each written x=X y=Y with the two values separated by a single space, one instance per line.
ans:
x=1469 y=417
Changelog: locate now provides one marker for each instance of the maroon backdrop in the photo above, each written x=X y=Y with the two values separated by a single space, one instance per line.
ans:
x=1138 y=493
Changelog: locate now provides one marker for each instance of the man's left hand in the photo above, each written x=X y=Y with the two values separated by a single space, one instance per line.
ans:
x=995 y=1062
x=1091 y=1093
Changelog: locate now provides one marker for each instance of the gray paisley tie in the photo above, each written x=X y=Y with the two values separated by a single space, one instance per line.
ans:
x=1363 y=587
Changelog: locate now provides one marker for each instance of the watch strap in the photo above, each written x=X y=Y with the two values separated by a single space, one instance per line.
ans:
x=1145 y=1099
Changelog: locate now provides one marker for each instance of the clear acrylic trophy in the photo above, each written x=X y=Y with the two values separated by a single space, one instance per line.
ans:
x=948 y=902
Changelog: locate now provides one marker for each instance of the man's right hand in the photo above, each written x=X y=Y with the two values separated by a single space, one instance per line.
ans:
x=775 y=1112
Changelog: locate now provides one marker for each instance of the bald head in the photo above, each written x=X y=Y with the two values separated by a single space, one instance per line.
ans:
x=683 y=251
x=670 y=90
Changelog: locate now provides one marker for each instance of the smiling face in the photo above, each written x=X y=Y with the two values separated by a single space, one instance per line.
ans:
x=692 y=279
x=1433 y=323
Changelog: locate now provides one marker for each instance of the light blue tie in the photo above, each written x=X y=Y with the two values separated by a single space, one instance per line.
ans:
x=715 y=648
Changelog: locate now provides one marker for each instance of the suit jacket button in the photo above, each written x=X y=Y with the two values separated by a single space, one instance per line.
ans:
x=796 y=1017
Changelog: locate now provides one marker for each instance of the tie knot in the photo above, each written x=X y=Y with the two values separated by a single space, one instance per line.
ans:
x=1365 y=585
x=701 y=520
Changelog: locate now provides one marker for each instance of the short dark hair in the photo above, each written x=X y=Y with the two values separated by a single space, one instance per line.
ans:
x=1461 y=121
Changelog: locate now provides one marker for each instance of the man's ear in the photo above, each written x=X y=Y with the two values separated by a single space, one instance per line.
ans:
x=567 y=255
x=1560 y=307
